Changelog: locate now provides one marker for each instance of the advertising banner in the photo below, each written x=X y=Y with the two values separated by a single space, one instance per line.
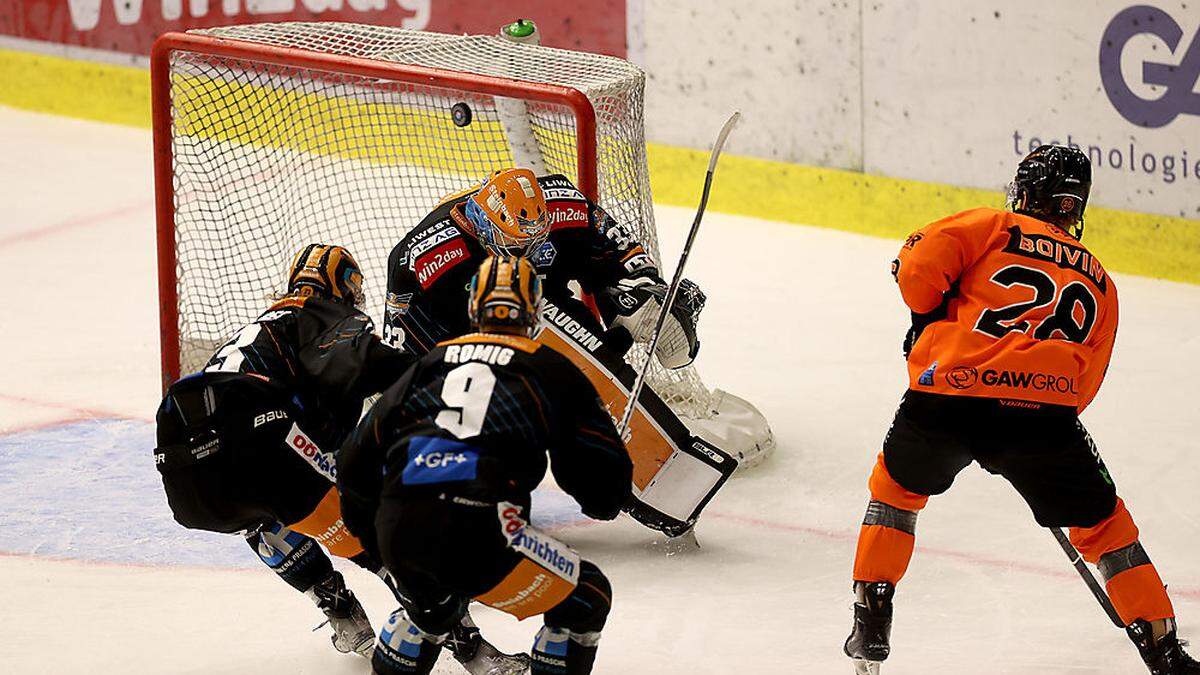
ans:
x=130 y=26
x=959 y=97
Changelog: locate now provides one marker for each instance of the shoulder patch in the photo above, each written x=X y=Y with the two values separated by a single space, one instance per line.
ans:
x=555 y=181
x=433 y=264
x=416 y=241
x=429 y=239
x=544 y=256
x=564 y=214
x=399 y=302
x=556 y=186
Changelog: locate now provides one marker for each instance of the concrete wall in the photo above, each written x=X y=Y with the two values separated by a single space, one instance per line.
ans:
x=947 y=91
x=791 y=66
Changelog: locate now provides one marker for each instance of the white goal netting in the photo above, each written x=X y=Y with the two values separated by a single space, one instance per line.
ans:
x=269 y=156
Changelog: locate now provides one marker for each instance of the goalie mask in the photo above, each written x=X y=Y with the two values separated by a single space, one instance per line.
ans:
x=324 y=271
x=1052 y=184
x=509 y=213
x=504 y=296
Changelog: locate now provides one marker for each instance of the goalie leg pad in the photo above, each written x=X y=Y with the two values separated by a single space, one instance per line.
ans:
x=675 y=473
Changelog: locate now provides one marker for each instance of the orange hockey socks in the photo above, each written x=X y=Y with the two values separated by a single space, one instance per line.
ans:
x=886 y=540
x=1133 y=584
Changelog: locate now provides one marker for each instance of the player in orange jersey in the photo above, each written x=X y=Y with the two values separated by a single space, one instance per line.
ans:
x=1013 y=327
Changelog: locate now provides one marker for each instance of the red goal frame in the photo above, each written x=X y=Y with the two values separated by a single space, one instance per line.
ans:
x=160 y=92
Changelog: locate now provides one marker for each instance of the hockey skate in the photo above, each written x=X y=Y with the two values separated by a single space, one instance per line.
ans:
x=479 y=657
x=345 y=615
x=1164 y=656
x=868 y=644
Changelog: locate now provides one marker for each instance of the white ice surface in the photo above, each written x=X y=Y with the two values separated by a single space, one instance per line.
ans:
x=804 y=322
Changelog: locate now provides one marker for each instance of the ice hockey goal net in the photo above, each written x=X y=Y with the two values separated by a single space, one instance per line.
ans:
x=271 y=136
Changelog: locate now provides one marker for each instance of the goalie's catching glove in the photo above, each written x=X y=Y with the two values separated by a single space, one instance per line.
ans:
x=635 y=304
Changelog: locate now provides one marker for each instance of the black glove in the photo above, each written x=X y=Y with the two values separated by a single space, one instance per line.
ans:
x=921 y=321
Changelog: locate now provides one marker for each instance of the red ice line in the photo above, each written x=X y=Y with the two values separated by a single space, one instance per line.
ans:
x=71 y=223
x=77 y=414
x=84 y=412
x=974 y=558
x=835 y=535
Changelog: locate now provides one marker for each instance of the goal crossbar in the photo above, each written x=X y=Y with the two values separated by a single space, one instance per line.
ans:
x=162 y=119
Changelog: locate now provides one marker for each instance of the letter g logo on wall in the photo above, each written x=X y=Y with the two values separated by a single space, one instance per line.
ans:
x=1177 y=80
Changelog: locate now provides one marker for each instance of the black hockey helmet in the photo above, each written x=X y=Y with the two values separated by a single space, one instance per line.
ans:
x=328 y=272
x=1052 y=184
x=504 y=296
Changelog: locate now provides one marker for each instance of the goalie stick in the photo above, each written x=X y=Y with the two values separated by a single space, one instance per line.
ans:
x=1088 y=578
x=675 y=281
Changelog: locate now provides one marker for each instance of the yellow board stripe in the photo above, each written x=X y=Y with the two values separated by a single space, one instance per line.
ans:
x=228 y=111
x=94 y=91
x=1151 y=245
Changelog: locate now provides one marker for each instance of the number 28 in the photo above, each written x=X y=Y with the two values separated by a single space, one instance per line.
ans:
x=1061 y=324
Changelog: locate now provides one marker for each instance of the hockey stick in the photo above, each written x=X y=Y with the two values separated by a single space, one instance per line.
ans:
x=1088 y=578
x=678 y=278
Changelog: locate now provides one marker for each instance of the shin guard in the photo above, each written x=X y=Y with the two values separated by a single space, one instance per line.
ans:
x=567 y=644
x=887 y=537
x=404 y=649
x=558 y=651
x=1133 y=584
x=295 y=557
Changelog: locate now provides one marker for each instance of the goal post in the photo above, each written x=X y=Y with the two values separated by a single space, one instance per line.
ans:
x=271 y=136
x=162 y=116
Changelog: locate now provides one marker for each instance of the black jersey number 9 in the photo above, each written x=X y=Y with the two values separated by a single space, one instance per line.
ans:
x=1062 y=324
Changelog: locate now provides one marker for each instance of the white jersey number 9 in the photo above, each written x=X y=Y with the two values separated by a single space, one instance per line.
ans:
x=467 y=392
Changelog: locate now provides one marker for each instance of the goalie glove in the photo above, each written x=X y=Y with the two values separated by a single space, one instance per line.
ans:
x=635 y=304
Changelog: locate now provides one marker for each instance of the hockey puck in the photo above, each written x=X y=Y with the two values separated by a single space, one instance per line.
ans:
x=461 y=114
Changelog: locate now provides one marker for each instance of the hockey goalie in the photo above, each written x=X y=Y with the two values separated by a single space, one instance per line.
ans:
x=572 y=242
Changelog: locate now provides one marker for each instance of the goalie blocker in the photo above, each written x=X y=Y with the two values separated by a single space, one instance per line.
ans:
x=675 y=473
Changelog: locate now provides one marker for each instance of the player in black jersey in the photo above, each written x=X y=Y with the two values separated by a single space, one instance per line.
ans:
x=247 y=444
x=566 y=237
x=437 y=478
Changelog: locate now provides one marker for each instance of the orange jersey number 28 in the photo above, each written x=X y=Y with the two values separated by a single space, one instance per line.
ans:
x=1031 y=314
